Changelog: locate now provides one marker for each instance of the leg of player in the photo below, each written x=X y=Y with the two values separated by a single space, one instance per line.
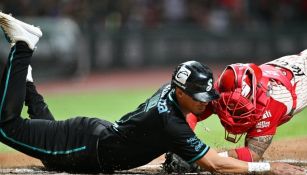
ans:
x=37 y=108
x=17 y=65
x=23 y=39
x=69 y=145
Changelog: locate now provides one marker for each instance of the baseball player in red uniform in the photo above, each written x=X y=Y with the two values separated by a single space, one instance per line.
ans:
x=256 y=100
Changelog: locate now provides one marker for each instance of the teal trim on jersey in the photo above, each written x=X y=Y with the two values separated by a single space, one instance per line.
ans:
x=42 y=150
x=199 y=155
x=172 y=100
x=15 y=141
x=206 y=148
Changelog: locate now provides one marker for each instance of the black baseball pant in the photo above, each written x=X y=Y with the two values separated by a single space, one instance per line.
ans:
x=69 y=145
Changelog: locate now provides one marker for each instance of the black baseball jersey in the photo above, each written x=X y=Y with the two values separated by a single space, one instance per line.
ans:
x=155 y=127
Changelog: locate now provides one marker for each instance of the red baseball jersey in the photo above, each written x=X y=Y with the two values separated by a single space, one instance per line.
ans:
x=282 y=94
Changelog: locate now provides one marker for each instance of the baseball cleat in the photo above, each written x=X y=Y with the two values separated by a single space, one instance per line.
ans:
x=304 y=52
x=16 y=30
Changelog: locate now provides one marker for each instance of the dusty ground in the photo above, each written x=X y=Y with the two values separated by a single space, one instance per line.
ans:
x=289 y=149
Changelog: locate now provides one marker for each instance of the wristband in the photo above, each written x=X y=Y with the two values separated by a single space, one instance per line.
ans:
x=223 y=154
x=258 y=167
x=244 y=154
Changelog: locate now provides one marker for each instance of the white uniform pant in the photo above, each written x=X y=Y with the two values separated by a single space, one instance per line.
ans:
x=298 y=65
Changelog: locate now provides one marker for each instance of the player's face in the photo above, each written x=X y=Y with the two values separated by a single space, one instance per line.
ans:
x=188 y=104
x=196 y=107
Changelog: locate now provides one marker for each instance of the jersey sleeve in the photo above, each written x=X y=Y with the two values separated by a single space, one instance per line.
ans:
x=184 y=142
x=271 y=118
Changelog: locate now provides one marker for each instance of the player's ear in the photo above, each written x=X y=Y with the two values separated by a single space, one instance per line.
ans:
x=179 y=93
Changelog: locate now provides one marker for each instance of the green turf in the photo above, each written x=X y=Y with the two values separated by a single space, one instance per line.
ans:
x=296 y=127
x=111 y=105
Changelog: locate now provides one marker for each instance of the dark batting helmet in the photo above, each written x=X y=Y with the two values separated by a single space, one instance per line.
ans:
x=196 y=80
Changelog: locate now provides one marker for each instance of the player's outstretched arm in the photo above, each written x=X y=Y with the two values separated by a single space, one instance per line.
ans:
x=253 y=151
x=258 y=145
x=215 y=163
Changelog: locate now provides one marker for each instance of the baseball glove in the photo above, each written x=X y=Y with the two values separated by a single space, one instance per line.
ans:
x=175 y=164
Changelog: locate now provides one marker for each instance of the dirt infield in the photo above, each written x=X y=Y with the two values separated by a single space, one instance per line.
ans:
x=289 y=150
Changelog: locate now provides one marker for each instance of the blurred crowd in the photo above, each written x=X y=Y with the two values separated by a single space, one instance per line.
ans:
x=210 y=24
x=209 y=14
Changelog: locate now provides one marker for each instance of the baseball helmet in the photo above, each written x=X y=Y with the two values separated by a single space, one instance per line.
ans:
x=196 y=80
x=240 y=76
x=237 y=106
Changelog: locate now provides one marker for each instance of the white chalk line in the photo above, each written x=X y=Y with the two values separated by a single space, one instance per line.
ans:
x=290 y=161
x=145 y=167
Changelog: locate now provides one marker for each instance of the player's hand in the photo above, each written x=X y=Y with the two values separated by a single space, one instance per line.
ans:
x=284 y=168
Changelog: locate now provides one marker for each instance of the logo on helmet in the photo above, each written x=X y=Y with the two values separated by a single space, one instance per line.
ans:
x=209 y=85
x=182 y=75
